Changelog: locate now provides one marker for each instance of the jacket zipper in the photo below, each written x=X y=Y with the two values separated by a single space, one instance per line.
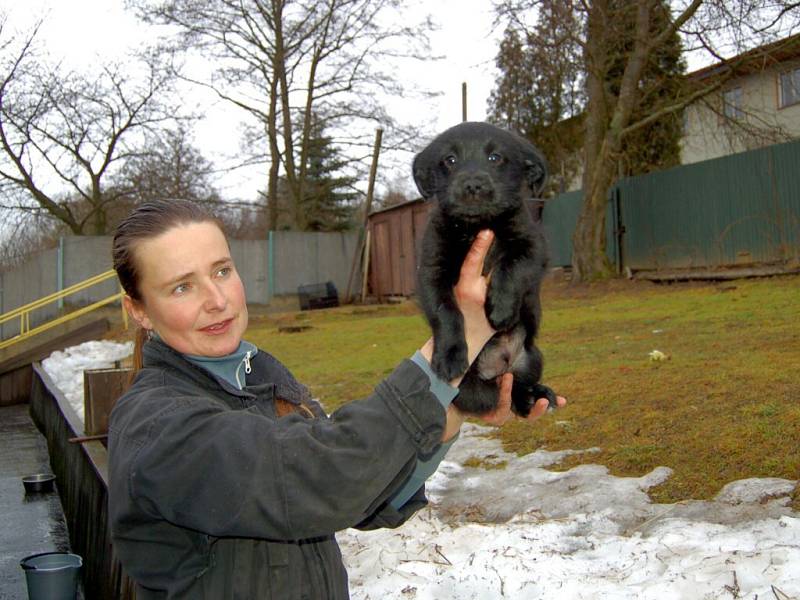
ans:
x=247 y=369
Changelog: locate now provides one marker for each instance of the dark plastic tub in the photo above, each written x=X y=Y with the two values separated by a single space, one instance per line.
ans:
x=52 y=575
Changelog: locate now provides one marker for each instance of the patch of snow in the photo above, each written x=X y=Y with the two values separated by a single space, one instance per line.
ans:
x=66 y=367
x=523 y=532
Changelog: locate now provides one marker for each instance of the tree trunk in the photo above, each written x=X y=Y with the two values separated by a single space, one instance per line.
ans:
x=589 y=259
x=588 y=240
x=607 y=117
x=279 y=71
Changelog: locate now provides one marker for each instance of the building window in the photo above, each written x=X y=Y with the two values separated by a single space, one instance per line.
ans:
x=790 y=87
x=732 y=103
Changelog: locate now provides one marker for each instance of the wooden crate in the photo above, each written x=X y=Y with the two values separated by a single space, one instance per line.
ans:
x=101 y=389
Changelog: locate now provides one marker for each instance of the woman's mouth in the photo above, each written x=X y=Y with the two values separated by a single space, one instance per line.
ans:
x=218 y=328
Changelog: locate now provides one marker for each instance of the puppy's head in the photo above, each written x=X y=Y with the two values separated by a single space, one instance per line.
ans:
x=477 y=171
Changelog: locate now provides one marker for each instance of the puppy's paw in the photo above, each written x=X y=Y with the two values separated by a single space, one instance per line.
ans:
x=501 y=312
x=450 y=360
x=524 y=397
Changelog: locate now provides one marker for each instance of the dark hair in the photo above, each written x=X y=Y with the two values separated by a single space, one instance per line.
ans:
x=145 y=222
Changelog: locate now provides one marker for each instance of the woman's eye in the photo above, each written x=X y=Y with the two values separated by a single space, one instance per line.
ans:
x=450 y=160
x=223 y=272
x=181 y=288
x=495 y=157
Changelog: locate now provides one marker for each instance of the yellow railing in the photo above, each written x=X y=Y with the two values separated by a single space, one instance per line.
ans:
x=24 y=312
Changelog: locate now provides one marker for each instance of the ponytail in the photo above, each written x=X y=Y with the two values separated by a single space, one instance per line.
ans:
x=138 y=343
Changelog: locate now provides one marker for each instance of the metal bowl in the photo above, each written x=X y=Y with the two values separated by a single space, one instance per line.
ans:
x=41 y=482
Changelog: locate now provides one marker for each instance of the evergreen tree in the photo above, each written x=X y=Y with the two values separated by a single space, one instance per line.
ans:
x=330 y=198
x=538 y=92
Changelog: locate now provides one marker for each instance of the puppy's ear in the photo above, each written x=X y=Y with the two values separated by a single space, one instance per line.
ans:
x=535 y=173
x=423 y=176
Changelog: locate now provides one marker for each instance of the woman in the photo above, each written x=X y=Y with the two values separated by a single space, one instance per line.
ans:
x=226 y=479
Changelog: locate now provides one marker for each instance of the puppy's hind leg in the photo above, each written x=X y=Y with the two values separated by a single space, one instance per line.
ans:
x=527 y=389
x=476 y=396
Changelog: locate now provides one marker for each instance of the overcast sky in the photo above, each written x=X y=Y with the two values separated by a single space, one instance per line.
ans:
x=80 y=31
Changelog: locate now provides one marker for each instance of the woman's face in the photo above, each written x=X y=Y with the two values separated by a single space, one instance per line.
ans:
x=191 y=294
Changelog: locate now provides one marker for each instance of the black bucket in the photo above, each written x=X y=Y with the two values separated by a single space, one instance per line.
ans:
x=52 y=575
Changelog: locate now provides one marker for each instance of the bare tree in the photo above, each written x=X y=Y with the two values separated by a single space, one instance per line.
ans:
x=62 y=134
x=168 y=166
x=717 y=28
x=289 y=62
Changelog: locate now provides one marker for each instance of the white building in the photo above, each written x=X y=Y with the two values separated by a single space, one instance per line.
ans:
x=757 y=106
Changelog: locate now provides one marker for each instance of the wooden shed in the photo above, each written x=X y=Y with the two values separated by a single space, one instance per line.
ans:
x=395 y=235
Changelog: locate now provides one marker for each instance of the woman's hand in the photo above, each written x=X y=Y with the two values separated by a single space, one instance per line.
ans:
x=470 y=293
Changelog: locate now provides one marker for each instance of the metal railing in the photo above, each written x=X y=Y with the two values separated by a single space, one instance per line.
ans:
x=23 y=313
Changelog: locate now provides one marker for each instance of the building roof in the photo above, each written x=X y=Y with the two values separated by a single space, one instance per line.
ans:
x=754 y=60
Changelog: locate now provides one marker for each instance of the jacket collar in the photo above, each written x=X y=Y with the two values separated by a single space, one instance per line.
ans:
x=270 y=376
x=155 y=353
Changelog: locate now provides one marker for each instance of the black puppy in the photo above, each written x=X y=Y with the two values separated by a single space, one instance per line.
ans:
x=480 y=176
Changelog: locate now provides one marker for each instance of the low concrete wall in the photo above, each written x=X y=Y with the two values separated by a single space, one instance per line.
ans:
x=82 y=474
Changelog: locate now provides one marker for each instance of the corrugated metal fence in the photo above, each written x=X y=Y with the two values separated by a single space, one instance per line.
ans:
x=736 y=210
x=272 y=267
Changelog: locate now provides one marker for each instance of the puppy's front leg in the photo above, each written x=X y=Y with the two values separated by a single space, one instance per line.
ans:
x=447 y=323
x=437 y=276
x=449 y=345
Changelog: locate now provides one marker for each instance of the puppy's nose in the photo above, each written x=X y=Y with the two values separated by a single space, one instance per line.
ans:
x=475 y=186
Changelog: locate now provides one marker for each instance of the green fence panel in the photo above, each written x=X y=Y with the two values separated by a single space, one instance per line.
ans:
x=559 y=218
x=720 y=212
x=735 y=210
x=785 y=200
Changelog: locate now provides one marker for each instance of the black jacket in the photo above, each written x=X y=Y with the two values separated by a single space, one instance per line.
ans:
x=212 y=496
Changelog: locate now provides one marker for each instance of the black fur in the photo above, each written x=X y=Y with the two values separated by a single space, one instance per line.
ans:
x=480 y=177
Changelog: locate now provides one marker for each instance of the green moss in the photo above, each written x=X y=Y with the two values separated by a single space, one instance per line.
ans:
x=477 y=462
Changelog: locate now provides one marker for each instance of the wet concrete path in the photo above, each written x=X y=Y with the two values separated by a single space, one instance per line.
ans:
x=30 y=523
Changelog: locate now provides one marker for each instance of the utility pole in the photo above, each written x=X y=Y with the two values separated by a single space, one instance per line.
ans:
x=373 y=171
x=464 y=101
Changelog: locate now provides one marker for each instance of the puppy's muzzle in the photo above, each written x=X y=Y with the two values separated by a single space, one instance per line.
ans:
x=473 y=187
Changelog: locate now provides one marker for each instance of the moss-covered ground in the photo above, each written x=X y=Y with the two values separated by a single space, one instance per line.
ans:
x=723 y=405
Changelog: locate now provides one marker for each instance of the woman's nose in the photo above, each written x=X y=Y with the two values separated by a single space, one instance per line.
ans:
x=215 y=299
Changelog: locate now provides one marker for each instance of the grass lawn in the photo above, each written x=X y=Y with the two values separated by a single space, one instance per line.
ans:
x=724 y=406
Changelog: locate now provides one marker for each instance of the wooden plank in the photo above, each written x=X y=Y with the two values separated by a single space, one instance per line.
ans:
x=102 y=388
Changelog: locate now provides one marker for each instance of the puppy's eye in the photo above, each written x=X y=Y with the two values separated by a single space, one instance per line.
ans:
x=495 y=157
x=450 y=160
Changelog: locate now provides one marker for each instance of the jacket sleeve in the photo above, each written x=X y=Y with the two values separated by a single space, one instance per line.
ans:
x=238 y=473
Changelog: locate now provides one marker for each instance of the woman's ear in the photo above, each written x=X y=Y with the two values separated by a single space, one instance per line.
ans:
x=136 y=312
